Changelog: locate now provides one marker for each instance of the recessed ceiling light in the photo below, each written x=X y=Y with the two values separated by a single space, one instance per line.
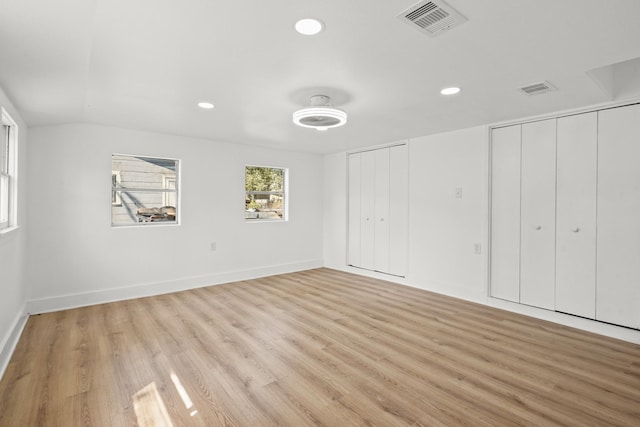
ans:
x=309 y=26
x=450 y=90
x=205 y=105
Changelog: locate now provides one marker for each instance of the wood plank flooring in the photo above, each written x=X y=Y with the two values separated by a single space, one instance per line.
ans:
x=318 y=347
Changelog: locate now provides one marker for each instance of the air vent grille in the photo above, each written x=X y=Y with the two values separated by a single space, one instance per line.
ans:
x=537 y=88
x=432 y=17
x=421 y=11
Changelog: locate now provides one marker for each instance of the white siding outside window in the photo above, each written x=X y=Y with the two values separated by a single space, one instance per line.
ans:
x=144 y=190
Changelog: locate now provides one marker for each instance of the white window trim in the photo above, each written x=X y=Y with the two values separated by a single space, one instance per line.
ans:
x=6 y=231
x=8 y=179
x=12 y=222
x=177 y=191
x=284 y=192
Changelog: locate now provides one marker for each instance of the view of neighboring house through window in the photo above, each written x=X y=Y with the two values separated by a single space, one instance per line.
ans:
x=169 y=199
x=8 y=164
x=115 y=182
x=144 y=190
x=265 y=193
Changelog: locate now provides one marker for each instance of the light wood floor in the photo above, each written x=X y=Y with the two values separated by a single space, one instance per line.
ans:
x=314 y=348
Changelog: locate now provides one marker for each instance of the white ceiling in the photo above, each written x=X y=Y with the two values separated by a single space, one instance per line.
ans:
x=144 y=64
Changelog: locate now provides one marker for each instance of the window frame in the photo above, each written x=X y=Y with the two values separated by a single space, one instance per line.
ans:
x=284 y=193
x=118 y=190
x=9 y=171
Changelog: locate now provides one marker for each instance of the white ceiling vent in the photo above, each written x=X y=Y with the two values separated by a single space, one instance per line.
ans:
x=432 y=17
x=538 y=88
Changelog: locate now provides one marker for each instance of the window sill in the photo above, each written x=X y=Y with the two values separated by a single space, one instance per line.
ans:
x=146 y=225
x=6 y=231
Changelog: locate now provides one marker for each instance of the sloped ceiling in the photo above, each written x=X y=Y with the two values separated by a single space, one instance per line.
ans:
x=144 y=64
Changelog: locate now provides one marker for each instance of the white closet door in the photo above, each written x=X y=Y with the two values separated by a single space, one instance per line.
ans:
x=505 y=213
x=382 y=210
x=538 y=193
x=398 y=209
x=367 y=209
x=353 y=257
x=577 y=149
x=618 y=271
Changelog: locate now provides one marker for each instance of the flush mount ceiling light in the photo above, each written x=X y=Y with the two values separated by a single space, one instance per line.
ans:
x=320 y=115
x=450 y=90
x=205 y=105
x=309 y=26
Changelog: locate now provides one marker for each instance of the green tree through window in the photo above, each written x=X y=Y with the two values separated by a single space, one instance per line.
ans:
x=264 y=193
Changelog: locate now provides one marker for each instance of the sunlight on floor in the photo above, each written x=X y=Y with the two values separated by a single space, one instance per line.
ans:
x=150 y=409
x=183 y=393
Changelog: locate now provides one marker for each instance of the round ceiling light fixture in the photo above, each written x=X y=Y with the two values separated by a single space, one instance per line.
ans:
x=320 y=115
x=309 y=26
x=205 y=105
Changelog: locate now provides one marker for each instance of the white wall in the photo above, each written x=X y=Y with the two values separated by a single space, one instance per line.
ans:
x=335 y=210
x=442 y=229
x=77 y=258
x=13 y=289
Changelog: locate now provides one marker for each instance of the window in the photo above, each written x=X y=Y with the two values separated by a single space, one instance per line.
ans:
x=144 y=190
x=8 y=176
x=265 y=193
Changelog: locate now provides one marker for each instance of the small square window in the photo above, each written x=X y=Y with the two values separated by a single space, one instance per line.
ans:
x=265 y=193
x=144 y=190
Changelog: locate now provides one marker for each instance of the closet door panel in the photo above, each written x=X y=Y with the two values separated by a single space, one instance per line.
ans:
x=381 y=232
x=577 y=148
x=505 y=213
x=618 y=248
x=353 y=256
x=398 y=209
x=538 y=187
x=367 y=209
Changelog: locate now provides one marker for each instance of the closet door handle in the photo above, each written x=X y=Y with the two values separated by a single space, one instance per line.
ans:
x=539 y=227
x=576 y=230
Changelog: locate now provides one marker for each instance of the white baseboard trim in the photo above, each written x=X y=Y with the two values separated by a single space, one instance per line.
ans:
x=64 y=302
x=612 y=331
x=11 y=339
x=439 y=288
x=608 y=330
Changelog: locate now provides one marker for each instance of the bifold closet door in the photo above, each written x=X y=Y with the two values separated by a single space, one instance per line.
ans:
x=367 y=209
x=538 y=211
x=361 y=209
x=618 y=249
x=381 y=209
x=577 y=151
x=378 y=202
x=505 y=213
